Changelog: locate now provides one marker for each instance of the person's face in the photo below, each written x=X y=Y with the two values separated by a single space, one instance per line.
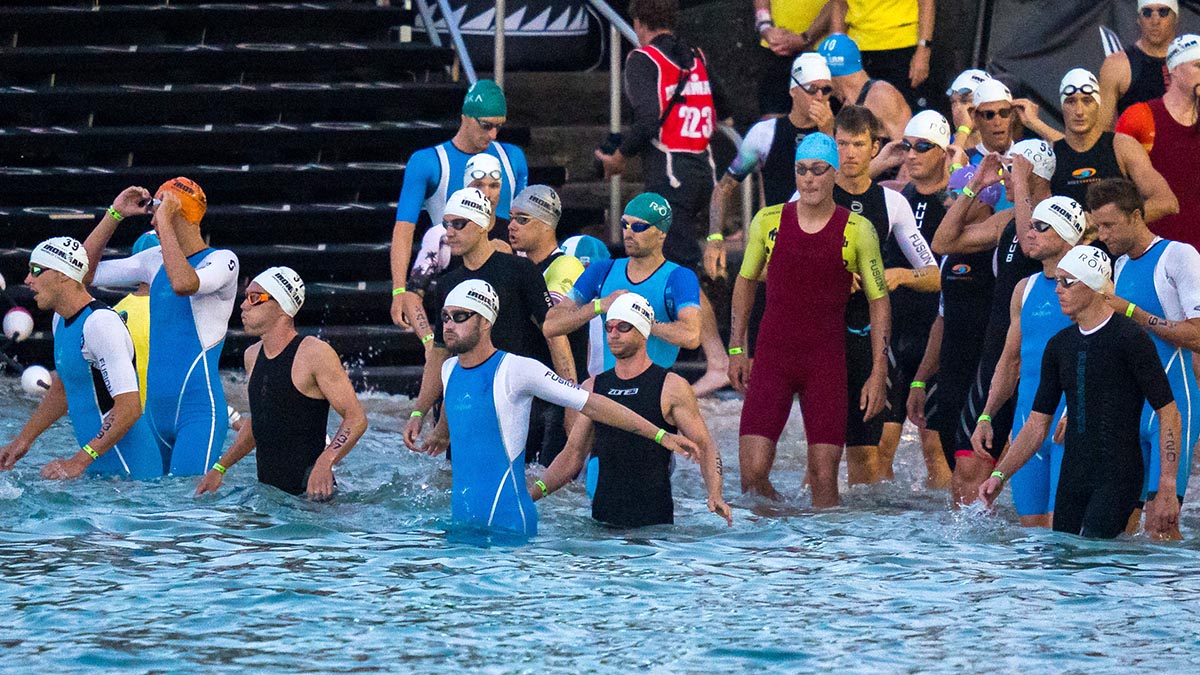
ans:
x=1074 y=298
x=924 y=159
x=1080 y=113
x=479 y=132
x=855 y=152
x=461 y=337
x=259 y=310
x=814 y=189
x=490 y=187
x=526 y=233
x=47 y=286
x=640 y=244
x=1157 y=29
x=464 y=239
x=1117 y=229
x=1187 y=78
x=994 y=122
x=1042 y=245
x=625 y=344
x=804 y=95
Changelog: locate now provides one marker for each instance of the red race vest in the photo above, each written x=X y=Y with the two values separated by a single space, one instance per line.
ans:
x=691 y=122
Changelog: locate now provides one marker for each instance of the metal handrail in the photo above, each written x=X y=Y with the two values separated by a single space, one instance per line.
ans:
x=456 y=38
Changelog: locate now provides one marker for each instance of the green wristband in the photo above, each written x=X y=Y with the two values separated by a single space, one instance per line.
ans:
x=968 y=192
x=917 y=384
x=425 y=340
x=659 y=436
x=964 y=129
x=985 y=418
x=545 y=490
x=398 y=291
x=998 y=474
x=955 y=167
x=416 y=413
x=219 y=468
x=598 y=307
x=91 y=453
x=1129 y=310
x=116 y=215
x=716 y=236
x=734 y=351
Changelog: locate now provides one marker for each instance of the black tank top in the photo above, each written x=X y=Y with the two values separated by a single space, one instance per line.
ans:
x=913 y=312
x=866 y=89
x=289 y=427
x=778 y=171
x=1075 y=171
x=871 y=205
x=1011 y=265
x=633 y=488
x=968 y=287
x=1147 y=78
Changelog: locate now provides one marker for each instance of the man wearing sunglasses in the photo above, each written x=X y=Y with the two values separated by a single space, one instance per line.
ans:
x=94 y=382
x=633 y=485
x=852 y=85
x=1057 y=224
x=431 y=175
x=1138 y=73
x=817 y=252
x=1088 y=154
x=1108 y=369
x=992 y=111
x=489 y=393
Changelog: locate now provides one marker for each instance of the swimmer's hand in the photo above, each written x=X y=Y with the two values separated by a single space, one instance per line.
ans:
x=891 y=156
x=681 y=446
x=609 y=299
x=1060 y=431
x=412 y=433
x=739 y=372
x=714 y=259
x=981 y=439
x=1162 y=514
x=133 y=201
x=64 y=469
x=320 y=481
x=12 y=453
x=406 y=308
x=169 y=210
x=989 y=490
x=438 y=441
x=917 y=396
x=873 y=396
x=988 y=173
x=855 y=283
x=718 y=506
x=210 y=482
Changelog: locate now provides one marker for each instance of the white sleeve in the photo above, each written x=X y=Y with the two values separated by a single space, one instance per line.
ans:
x=1182 y=265
x=131 y=271
x=753 y=150
x=108 y=347
x=447 y=368
x=905 y=231
x=218 y=272
x=527 y=376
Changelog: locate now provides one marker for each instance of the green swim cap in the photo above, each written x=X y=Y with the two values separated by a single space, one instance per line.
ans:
x=652 y=208
x=485 y=98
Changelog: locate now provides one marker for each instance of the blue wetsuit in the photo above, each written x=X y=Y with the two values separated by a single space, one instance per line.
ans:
x=1163 y=282
x=487 y=408
x=94 y=359
x=1034 y=485
x=669 y=289
x=433 y=174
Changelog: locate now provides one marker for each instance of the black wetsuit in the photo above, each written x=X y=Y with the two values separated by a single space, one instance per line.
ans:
x=1075 y=171
x=1107 y=376
x=633 y=487
x=1147 y=78
x=289 y=427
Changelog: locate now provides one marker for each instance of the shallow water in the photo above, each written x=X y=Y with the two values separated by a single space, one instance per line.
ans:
x=106 y=575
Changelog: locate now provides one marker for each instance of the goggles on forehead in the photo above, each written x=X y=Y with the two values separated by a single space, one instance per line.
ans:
x=480 y=174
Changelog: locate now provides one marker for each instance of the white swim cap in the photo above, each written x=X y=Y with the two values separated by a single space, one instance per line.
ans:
x=967 y=81
x=1039 y=153
x=1078 y=80
x=633 y=309
x=1089 y=265
x=62 y=254
x=990 y=91
x=1172 y=4
x=1183 y=49
x=476 y=295
x=284 y=286
x=1063 y=214
x=931 y=126
x=481 y=166
x=809 y=67
x=472 y=204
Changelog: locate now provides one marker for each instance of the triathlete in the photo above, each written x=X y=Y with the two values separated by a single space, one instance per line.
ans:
x=819 y=247
x=854 y=86
x=94 y=381
x=192 y=291
x=292 y=382
x=1139 y=72
x=633 y=488
x=961 y=93
x=992 y=111
x=1108 y=369
x=488 y=397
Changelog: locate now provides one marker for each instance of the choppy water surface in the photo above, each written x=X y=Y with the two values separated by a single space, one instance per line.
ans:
x=104 y=575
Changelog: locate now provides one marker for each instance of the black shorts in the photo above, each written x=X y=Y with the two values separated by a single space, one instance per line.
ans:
x=858 y=370
x=547 y=434
x=1002 y=419
x=1101 y=511
x=904 y=358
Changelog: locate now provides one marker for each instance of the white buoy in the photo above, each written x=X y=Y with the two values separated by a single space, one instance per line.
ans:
x=18 y=324
x=35 y=380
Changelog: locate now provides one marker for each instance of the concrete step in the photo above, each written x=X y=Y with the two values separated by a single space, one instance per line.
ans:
x=539 y=99
x=572 y=147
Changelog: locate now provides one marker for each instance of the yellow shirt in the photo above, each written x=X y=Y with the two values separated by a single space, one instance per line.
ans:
x=561 y=275
x=135 y=310
x=876 y=25
x=860 y=250
x=796 y=16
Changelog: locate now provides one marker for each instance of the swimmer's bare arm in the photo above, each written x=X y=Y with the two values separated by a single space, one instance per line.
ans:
x=183 y=277
x=874 y=392
x=683 y=332
x=325 y=369
x=404 y=305
x=955 y=234
x=125 y=204
x=682 y=411
x=51 y=408
x=922 y=280
x=714 y=250
x=607 y=411
x=1004 y=381
x=1132 y=157
x=889 y=106
x=243 y=444
x=126 y=410
x=1032 y=436
x=568 y=316
x=431 y=391
x=1115 y=77
x=1162 y=512
x=1185 y=334
x=574 y=454
x=930 y=364
x=739 y=311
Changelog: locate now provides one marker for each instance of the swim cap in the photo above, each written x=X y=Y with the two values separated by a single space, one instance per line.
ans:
x=1063 y=214
x=820 y=146
x=652 y=208
x=1183 y=49
x=967 y=81
x=284 y=286
x=931 y=126
x=633 y=309
x=1039 y=153
x=841 y=55
x=485 y=98
x=481 y=166
x=146 y=241
x=586 y=248
x=539 y=201
x=989 y=195
x=1089 y=265
x=472 y=204
x=808 y=67
x=476 y=295
x=1172 y=4
x=192 y=201
x=62 y=254
x=990 y=91
x=1078 y=79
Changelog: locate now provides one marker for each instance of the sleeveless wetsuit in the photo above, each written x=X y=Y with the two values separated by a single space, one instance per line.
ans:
x=633 y=488
x=94 y=358
x=1173 y=149
x=1075 y=171
x=289 y=427
x=1147 y=78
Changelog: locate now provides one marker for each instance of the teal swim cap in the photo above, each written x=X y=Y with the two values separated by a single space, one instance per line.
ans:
x=818 y=146
x=652 y=208
x=485 y=98
x=841 y=54
x=147 y=240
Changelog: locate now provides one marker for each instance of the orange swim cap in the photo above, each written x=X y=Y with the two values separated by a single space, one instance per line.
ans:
x=192 y=200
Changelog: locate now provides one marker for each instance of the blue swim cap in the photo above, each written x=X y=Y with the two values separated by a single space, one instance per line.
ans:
x=841 y=54
x=586 y=248
x=147 y=240
x=819 y=146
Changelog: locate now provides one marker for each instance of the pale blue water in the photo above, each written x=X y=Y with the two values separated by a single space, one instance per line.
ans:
x=104 y=576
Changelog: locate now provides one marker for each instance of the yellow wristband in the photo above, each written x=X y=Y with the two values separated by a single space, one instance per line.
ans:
x=917 y=384
x=659 y=436
x=425 y=340
x=219 y=468
x=398 y=291
x=91 y=453
x=998 y=474
x=598 y=307
x=968 y=192
x=545 y=490
x=955 y=167
x=734 y=351
x=1129 y=310
x=985 y=418
x=116 y=215
x=964 y=129
x=416 y=413
x=716 y=236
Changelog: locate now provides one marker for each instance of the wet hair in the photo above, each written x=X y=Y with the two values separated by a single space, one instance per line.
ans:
x=1121 y=192
x=655 y=14
x=856 y=119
